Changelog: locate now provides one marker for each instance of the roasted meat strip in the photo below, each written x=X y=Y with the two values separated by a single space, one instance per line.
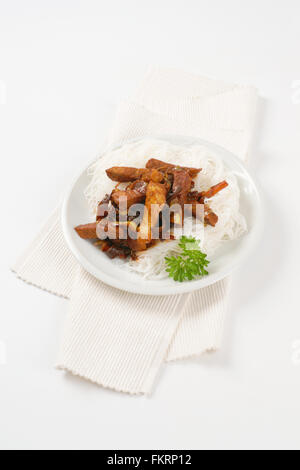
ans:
x=214 y=189
x=155 y=199
x=124 y=174
x=167 y=167
x=210 y=218
x=87 y=231
x=130 y=197
x=200 y=196
x=195 y=197
x=134 y=194
x=181 y=186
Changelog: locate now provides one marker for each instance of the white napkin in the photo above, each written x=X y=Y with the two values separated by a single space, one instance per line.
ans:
x=113 y=338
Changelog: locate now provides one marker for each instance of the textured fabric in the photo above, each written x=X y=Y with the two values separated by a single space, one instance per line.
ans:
x=119 y=340
x=48 y=263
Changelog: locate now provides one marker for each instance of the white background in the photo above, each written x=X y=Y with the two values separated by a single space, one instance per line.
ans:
x=65 y=64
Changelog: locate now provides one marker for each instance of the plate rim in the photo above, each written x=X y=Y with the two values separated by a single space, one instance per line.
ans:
x=179 y=288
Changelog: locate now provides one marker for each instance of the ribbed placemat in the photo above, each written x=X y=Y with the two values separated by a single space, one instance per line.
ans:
x=119 y=340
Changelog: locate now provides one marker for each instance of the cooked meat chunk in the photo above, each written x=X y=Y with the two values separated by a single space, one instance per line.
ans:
x=118 y=252
x=214 y=189
x=102 y=208
x=181 y=186
x=196 y=196
x=155 y=199
x=113 y=230
x=112 y=250
x=139 y=185
x=87 y=231
x=166 y=167
x=134 y=194
x=137 y=245
x=210 y=218
x=124 y=174
x=131 y=197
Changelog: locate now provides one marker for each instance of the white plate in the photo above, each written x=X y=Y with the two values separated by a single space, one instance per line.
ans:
x=75 y=211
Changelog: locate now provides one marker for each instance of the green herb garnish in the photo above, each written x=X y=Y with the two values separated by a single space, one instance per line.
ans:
x=191 y=262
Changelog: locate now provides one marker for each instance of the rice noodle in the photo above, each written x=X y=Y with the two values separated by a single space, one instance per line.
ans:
x=231 y=224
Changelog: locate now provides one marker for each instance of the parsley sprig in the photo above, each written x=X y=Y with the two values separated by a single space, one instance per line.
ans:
x=190 y=263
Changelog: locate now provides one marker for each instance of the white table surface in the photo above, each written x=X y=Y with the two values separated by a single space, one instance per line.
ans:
x=65 y=64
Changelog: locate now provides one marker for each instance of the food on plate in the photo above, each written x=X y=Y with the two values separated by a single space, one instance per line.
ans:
x=155 y=189
x=164 y=195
